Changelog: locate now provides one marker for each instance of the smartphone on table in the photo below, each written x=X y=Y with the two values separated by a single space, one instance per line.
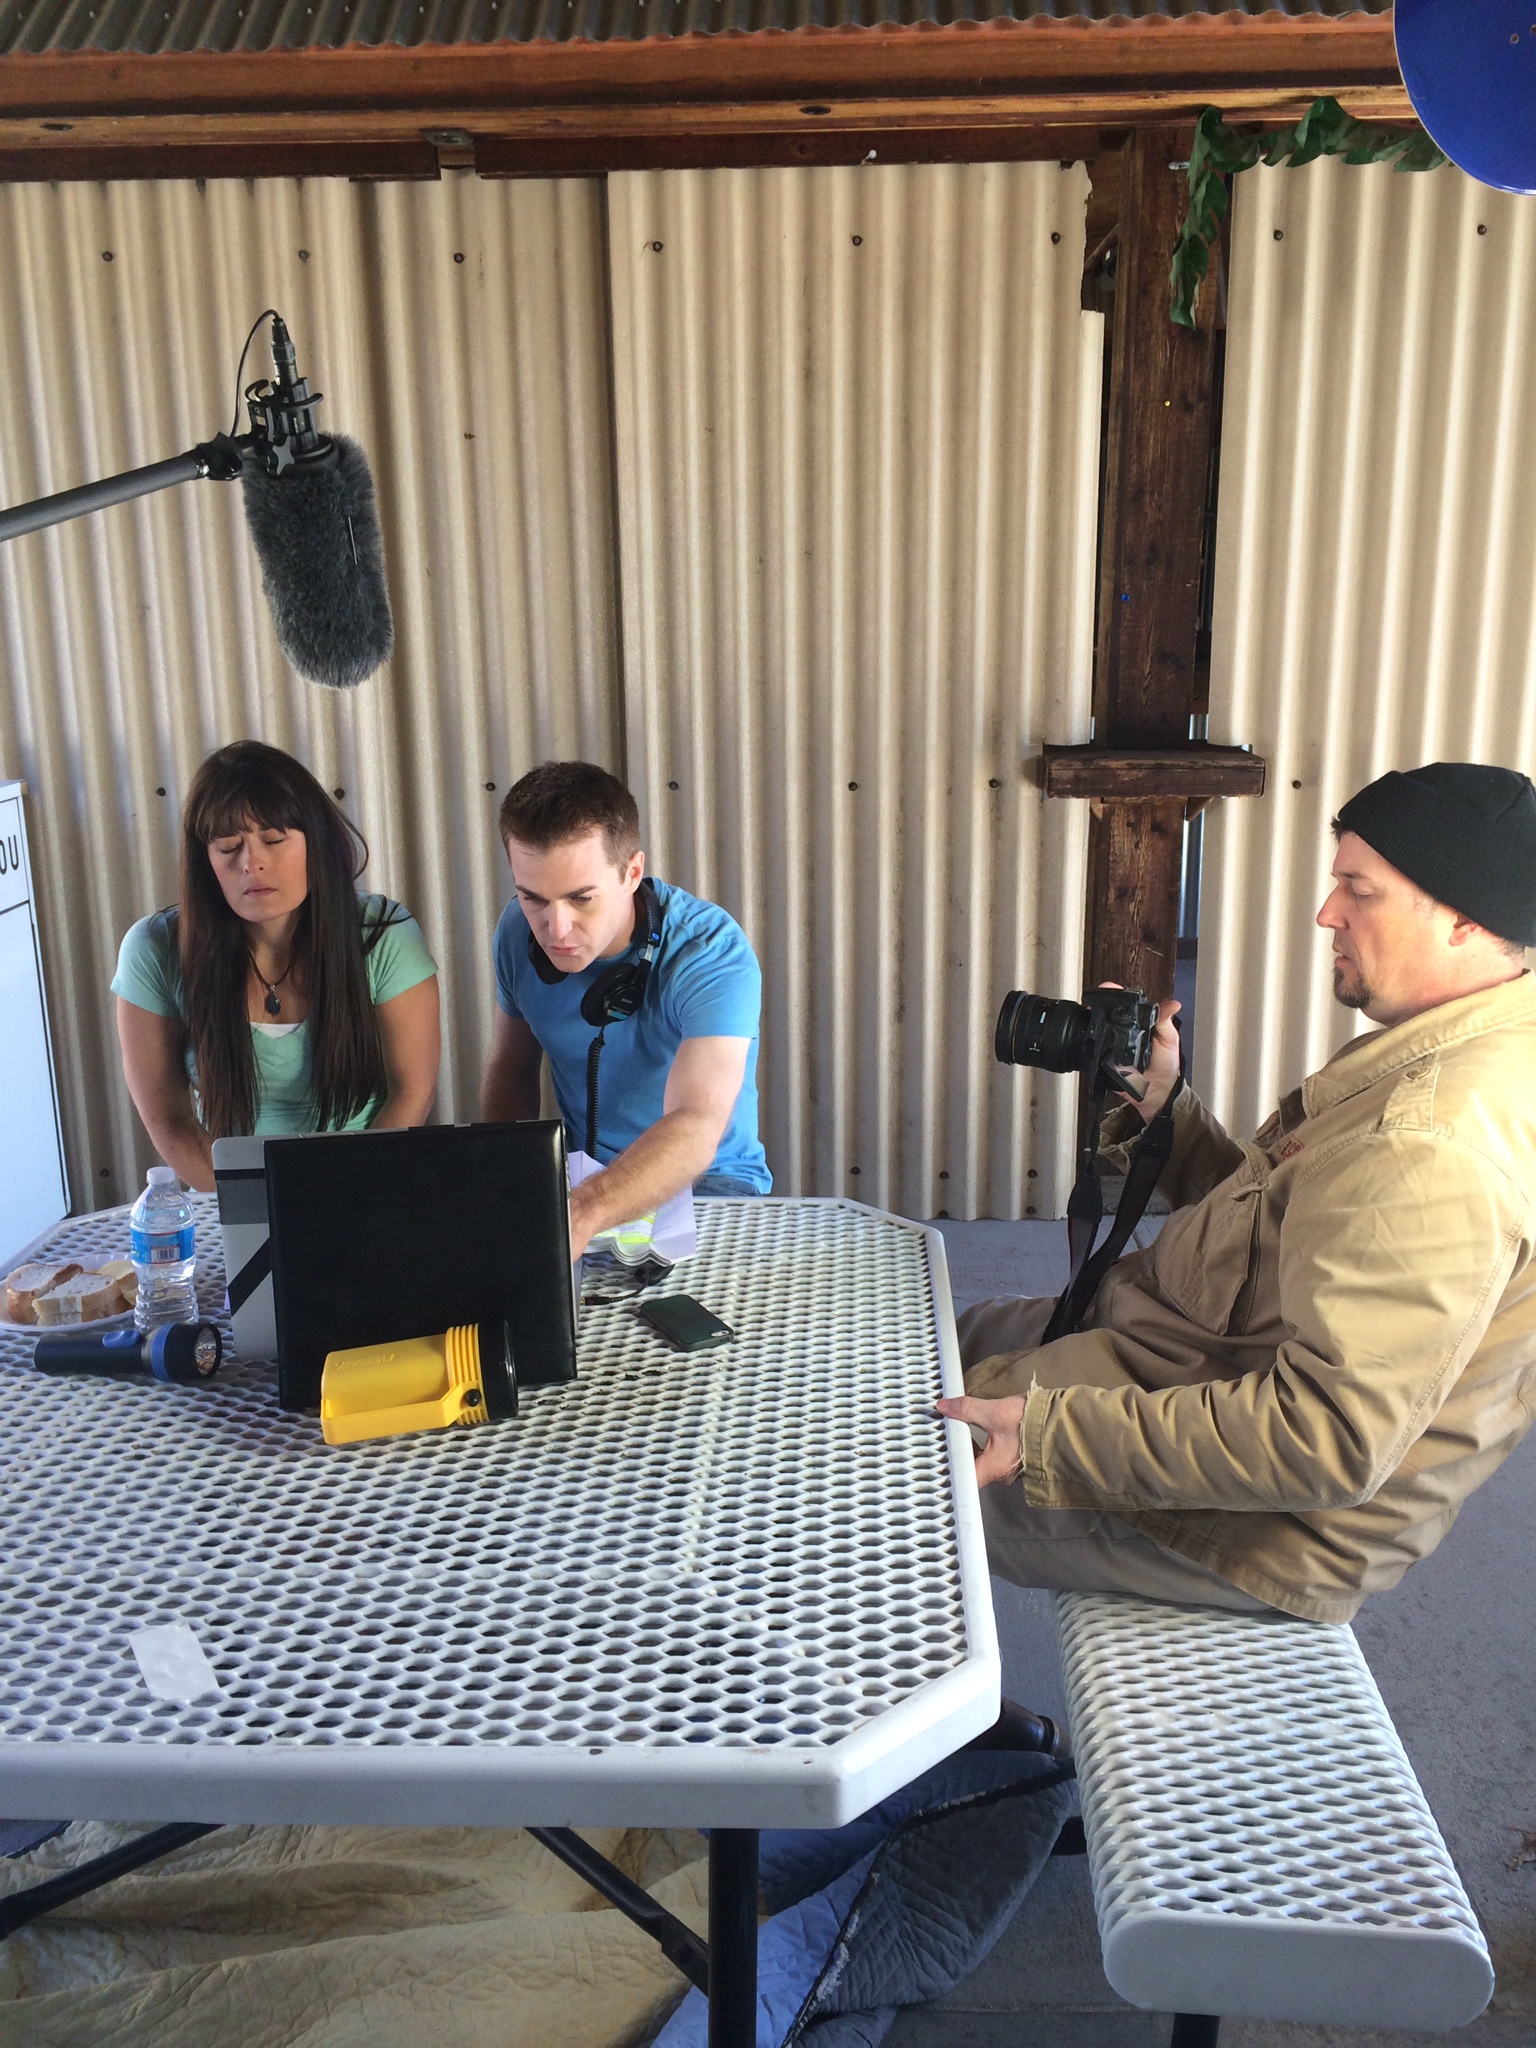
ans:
x=686 y=1324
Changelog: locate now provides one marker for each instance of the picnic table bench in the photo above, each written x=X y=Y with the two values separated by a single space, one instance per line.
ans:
x=1257 y=1840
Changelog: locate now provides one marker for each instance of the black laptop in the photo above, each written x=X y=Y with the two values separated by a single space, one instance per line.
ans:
x=384 y=1234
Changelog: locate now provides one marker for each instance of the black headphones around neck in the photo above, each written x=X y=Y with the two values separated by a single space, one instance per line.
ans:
x=619 y=991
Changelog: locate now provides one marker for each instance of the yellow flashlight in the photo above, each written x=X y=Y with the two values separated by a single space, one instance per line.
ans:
x=466 y=1376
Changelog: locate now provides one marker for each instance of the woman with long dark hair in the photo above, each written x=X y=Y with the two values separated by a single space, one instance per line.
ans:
x=273 y=998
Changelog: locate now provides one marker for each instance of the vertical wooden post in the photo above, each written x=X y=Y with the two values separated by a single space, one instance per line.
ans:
x=1158 y=461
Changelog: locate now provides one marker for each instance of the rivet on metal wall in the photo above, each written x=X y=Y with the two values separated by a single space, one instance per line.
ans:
x=1482 y=227
x=159 y=791
x=490 y=785
x=338 y=792
x=106 y=255
x=1055 y=238
x=944 y=1175
x=657 y=247
x=458 y=255
x=671 y=785
x=1279 y=234
x=858 y=241
x=1295 y=785
x=994 y=782
x=853 y=785
x=854 y=1171
x=303 y=255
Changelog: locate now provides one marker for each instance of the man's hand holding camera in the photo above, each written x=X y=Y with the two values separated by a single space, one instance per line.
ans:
x=1162 y=1071
x=1000 y=1457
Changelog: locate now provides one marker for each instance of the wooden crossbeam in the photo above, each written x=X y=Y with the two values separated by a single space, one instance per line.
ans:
x=1195 y=773
x=965 y=91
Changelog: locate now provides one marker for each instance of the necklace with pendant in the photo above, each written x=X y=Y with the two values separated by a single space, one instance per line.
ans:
x=273 y=1004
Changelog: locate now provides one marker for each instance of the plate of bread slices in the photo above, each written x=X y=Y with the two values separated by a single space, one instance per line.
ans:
x=46 y=1293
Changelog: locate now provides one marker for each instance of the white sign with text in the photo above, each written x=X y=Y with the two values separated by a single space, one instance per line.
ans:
x=34 y=1188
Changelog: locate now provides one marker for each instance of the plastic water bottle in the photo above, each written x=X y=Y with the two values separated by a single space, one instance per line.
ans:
x=162 y=1245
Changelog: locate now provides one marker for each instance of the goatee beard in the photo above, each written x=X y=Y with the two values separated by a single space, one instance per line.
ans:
x=1356 y=998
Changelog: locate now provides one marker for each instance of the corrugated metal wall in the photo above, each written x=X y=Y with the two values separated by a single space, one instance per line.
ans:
x=857 y=432
x=136 y=640
x=853 y=417
x=1375 y=596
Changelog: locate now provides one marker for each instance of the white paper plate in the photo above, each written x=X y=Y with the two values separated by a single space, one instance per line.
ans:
x=116 y=1322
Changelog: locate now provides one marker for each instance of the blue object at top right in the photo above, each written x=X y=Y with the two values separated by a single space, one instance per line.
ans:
x=1470 y=70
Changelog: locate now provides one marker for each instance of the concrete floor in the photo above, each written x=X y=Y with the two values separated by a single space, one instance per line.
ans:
x=1453 y=1649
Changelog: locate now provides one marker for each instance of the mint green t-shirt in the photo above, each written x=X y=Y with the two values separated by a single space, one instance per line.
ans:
x=149 y=976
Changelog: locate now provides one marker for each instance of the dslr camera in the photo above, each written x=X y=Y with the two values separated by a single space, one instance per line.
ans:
x=1107 y=1036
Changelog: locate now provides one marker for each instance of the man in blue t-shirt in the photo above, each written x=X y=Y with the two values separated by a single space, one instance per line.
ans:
x=589 y=945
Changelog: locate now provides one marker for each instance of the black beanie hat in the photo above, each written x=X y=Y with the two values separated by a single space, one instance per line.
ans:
x=1464 y=833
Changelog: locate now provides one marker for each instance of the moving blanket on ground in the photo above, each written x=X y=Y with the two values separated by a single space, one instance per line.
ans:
x=896 y=1908
x=478 y=1938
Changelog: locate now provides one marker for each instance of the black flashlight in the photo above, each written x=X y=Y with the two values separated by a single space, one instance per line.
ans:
x=185 y=1354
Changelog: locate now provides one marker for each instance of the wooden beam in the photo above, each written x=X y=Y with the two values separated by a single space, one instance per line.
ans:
x=695 y=145
x=550 y=140
x=1160 y=405
x=1193 y=773
x=1209 y=55
x=1157 y=473
x=135 y=155
x=964 y=92
x=1136 y=863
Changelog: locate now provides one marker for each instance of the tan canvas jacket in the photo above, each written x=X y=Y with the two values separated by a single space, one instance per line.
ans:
x=1333 y=1340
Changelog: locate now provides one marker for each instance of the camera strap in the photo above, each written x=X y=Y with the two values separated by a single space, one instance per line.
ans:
x=1085 y=1207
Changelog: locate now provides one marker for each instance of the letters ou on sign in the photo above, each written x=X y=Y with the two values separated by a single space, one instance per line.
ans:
x=10 y=854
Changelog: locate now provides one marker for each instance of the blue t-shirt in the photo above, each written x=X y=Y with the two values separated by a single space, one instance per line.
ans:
x=704 y=983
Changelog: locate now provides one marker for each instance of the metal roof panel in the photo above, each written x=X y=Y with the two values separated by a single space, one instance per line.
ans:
x=153 y=27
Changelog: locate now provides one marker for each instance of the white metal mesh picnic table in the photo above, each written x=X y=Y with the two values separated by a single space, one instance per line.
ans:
x=742 y=1588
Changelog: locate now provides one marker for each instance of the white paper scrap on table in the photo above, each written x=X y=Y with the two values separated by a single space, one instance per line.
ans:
x=172 y=1662
x=670 y=1233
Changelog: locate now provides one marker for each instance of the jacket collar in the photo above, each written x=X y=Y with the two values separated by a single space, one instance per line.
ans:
x=1363 y=1062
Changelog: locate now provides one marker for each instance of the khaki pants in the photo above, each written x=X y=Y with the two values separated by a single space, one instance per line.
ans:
x=1079 y=1550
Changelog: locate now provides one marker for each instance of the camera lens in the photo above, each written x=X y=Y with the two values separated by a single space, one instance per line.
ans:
x=1041 y=1031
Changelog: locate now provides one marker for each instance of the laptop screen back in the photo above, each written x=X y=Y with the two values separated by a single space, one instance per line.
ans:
x=385 y=1234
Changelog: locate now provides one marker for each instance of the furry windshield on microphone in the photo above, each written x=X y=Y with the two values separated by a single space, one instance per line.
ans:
x=322 y=566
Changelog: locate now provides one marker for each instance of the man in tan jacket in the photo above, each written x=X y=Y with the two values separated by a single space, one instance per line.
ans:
x=1333 y=1341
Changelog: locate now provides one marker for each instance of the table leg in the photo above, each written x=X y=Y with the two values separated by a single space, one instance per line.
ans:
x=1195 y=2030
x=38 y=1899
x=679 y=1944
x=733 y=1938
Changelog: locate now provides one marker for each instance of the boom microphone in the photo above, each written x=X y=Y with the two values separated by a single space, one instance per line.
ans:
x=316 y=532
x=316 y=529
x=310 y=506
